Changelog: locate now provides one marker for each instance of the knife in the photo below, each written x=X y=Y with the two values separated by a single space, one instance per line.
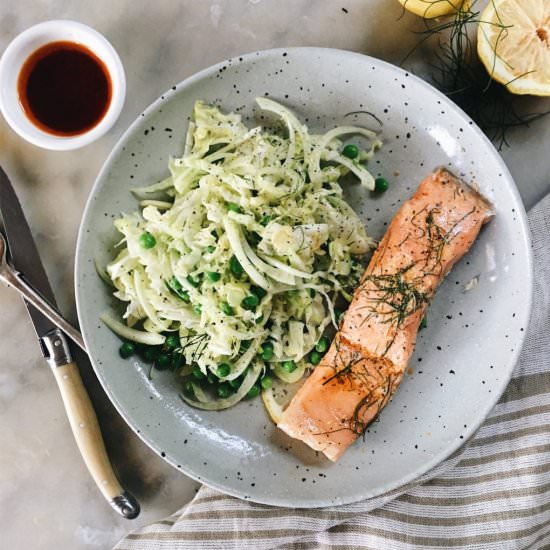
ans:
x=57 y=352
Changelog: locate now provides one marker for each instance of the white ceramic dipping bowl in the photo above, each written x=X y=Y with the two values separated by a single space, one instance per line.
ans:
x=19 y=50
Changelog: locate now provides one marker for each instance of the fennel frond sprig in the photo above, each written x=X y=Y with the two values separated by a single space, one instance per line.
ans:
x=459 y=74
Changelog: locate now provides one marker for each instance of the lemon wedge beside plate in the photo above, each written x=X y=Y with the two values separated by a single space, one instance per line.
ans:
x=513 y=42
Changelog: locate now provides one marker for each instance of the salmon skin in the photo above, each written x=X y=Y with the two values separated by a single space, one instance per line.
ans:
x=369 y=354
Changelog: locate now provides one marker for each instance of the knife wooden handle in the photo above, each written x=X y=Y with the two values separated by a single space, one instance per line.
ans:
x=89 y=439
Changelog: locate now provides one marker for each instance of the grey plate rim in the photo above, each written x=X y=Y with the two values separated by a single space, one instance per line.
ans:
x=484 y=410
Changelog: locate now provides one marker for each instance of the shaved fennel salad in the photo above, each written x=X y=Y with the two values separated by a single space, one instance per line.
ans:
x=233 y=269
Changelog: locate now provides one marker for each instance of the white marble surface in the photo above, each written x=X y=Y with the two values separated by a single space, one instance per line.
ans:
x=46 y=496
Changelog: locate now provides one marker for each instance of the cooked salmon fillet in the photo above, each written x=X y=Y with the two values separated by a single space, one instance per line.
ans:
x=370 y=352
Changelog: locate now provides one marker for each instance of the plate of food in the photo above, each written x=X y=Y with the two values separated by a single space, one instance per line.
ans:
x=303 y=277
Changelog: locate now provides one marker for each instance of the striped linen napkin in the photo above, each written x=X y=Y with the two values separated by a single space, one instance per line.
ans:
x=493 y=493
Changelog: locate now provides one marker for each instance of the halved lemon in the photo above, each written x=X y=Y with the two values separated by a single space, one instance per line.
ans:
x=513 y=42
x=277 y=398
x=429 y=9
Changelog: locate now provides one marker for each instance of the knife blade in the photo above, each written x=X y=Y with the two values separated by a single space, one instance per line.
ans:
x=24 y=254
x=55 y=348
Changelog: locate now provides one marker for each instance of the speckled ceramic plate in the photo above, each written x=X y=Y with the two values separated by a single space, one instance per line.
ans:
x=464 y=358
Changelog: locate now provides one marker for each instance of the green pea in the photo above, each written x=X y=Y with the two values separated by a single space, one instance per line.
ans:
x=264 y=220
x=234 y=207
x=126 y=350
x=267 y=351
x=224 y=390
x=322 y=344
x=150 y=354
x=250 y=302
x=146 y=240
x=235 y=266
x=193 y=281
x=423 y=323
x=235 y=383
x=315 y=357
x=223 y=370
x=289 y=366
x=213 y=276
x=197 y=308
x=227 y=309
x=254 y=391
x=172 y=341
x=210 y=249
x=198 y=374
x=259 y=291
x=381 y=185
x=244 y=345
x=163 y=361
x=266 y=382
x=351 y=151
x=175 y=284
x=175 y=287
x=177 y=361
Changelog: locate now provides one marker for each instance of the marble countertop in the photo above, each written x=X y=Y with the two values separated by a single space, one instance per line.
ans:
x=47 y=498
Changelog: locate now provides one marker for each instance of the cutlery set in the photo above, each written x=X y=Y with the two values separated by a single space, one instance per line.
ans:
x=21 y=269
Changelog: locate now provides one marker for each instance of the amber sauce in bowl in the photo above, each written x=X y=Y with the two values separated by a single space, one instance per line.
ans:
x=62 y=85
x=64 y=88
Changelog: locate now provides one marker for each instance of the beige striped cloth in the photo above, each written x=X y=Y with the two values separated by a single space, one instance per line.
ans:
x=493 y=493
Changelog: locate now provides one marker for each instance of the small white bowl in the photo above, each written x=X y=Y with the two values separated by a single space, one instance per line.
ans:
x=18 y=52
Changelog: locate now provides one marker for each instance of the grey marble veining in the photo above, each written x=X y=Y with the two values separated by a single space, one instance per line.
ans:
x=46 y=496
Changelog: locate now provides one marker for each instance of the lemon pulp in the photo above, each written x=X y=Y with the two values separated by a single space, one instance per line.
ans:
x=514 y=44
